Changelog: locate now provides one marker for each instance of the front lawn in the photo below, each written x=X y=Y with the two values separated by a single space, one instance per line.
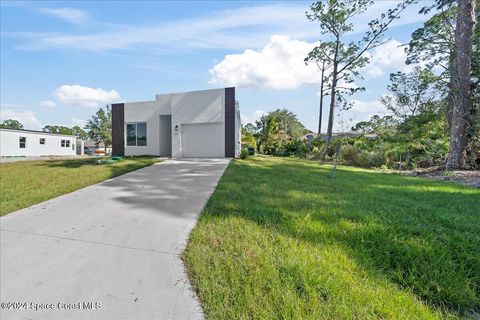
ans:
x=25 y=183
x=285 y=239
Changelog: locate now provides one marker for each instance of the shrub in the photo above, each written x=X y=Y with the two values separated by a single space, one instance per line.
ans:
x=377 y=159
x=316 y=153
x=295 y=147
x=370 y=159
x=349 y=154
x=244 y=154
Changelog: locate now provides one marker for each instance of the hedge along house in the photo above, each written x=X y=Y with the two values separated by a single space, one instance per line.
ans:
x=190 y=124
x=22 y=143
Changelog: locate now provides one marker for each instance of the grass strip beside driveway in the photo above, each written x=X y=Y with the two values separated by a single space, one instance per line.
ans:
x=26 y=183
x=285 y=239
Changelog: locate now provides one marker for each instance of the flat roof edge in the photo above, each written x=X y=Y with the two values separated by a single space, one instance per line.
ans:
x=37 y=131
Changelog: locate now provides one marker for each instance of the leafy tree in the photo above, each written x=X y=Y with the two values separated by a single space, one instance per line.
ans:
x=250 y=128
x=100 y=126
x=346 y=58
x=461 y=86
x=376 y=124
x=248 y=136
x=58 y=129
x=277 y=128
x=267 y=136
x=79 y=133
x=409 y=92
x=435 y=45
x=11 y=124
x=288 y=125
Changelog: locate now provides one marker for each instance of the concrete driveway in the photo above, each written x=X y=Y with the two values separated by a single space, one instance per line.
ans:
x=108 y=251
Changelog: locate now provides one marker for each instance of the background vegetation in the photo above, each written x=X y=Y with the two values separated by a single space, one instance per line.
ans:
x=421 y=104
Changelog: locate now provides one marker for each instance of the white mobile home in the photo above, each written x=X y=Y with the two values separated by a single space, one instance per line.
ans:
x=19 y=143
x=190 y=124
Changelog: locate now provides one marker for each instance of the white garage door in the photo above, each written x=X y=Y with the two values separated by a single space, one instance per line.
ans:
x=203 y=140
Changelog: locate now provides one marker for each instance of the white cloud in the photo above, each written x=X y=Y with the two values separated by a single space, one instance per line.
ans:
x=389 y=57
x=256 y=115
x=47 y=104
x=79 y=122
x=371 y=107
x=278 y=65
x=27 y=118
x=70 y=15
x=76 y=95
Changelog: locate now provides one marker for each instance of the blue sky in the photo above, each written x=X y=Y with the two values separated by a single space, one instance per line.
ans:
x=61 y=60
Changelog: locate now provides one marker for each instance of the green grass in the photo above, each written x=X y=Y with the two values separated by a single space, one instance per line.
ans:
x=25 y=183
x=284 y=239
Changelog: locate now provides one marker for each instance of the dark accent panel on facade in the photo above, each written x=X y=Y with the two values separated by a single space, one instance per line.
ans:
x=230 y=122
x=118 y=127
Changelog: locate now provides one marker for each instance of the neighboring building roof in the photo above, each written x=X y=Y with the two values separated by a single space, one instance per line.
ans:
x=37 y=131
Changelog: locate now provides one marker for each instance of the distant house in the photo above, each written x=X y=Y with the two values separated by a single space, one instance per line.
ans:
x=310 y=136
x=20 y=143
x=90 y=147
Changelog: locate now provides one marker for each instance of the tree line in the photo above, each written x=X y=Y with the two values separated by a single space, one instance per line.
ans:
x=448 y=41
x=97 y=129
x=434 y=112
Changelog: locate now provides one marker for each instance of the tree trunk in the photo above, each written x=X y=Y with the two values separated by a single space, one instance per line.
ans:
x=332 y=96
x=321 y=101
x=332 y=107
x=461 y=93
x=449 y=109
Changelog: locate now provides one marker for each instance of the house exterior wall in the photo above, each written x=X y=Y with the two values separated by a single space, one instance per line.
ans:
x=195 y=111
x=9 y=144
x=207 y=106
x=80 y=147
x=148 y=112
x=238 y=131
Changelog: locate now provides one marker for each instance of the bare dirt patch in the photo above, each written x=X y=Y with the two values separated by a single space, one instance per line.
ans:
x=466 y=177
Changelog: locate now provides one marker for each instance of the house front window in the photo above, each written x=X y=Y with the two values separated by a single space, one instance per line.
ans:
x=136 y=134
x=65 y=143
x=22 y=142
x=42 y=140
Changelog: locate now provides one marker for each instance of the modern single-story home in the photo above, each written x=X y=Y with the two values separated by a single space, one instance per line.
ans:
x=202 y=123
x=20 y=142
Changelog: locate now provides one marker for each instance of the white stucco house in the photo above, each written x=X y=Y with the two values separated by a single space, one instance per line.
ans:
x=18 y=143
x=189 y=124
